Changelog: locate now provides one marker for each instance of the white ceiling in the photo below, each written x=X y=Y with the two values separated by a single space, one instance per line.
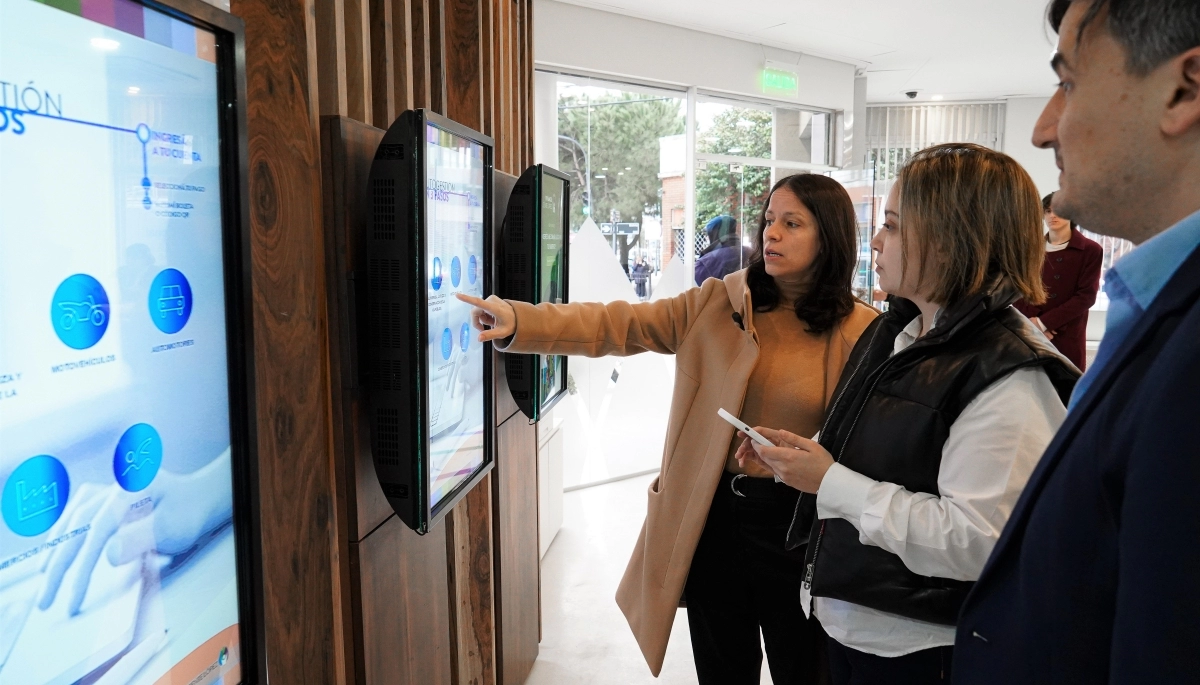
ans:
x=959 y=49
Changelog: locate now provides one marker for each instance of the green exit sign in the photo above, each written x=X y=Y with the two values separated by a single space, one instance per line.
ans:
x=780 y=82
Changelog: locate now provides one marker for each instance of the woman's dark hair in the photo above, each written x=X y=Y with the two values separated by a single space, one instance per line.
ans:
x=829 y=298
x=1048 y=206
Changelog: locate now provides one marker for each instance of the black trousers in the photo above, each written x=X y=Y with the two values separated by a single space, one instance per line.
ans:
x=742 y=581
x=852 y=667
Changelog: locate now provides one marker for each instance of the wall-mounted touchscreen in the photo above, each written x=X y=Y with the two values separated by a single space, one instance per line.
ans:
x=118 y=561
x=534 y=269
x=428 y=378
x=454 y=241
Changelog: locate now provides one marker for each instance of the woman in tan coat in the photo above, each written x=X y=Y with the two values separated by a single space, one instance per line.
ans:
x=768 y=344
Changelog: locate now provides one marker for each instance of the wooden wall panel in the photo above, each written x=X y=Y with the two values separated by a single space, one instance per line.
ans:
x=348 y=147
x=348 y=591
x=404 y=590
x=517 y=564
x=296 y=494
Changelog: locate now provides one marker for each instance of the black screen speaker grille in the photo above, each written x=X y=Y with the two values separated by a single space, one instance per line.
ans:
x=383 y=198
x=516 y=222
x=518 y=263
x=389 y=374
x=515 y=366
x=385 y=274
x=387 y=436
x=387 y=322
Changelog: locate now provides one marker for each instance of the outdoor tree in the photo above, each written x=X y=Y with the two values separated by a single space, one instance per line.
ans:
x=721 y=189
x=624 y=131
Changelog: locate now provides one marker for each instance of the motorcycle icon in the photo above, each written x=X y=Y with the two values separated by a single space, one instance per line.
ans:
x=88 y=311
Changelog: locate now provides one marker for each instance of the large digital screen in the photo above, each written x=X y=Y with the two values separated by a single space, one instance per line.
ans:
x=552 y=368
x=454 y=240
x=117 y=552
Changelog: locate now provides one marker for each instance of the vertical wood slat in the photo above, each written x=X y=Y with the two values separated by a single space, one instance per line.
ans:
x=383 y=37
x=487 y=63
x=464 y=62
x=469 y=526
x=403 y=43
x=437 y=55
x=331 y=56
x=292 y=404
x=358 y=59
x=421 y=45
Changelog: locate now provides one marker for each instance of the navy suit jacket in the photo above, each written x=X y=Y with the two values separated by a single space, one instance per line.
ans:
x=1096 y=578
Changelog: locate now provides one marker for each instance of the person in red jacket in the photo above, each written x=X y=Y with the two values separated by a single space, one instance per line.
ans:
x=1071 y=273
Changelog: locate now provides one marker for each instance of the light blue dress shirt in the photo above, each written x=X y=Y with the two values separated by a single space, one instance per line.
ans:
x=1134 y=283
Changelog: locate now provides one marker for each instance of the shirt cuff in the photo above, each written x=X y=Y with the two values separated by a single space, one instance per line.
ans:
x=843 y=494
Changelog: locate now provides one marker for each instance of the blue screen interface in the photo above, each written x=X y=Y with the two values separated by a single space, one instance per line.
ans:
x=454 y=172
x=117 y=551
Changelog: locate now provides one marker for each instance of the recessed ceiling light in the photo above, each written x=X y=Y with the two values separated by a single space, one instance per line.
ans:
x=603 y=168
x=628 y=168
x=134 y=90
x=937 y=97
x=105 y=44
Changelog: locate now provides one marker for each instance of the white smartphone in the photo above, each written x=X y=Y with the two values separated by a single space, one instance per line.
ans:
x=741 y=425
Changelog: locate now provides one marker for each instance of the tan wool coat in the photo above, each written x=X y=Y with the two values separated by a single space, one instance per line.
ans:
x=714 y=358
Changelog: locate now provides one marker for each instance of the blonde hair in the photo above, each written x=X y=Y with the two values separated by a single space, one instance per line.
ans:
x=976 y=214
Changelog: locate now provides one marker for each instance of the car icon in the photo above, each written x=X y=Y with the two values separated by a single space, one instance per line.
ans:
x=171 y=300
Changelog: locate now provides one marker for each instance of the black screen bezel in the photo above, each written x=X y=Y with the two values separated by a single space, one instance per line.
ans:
x=431 y=515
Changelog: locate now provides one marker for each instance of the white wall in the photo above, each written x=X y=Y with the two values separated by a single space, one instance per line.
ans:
x=613 y=44
x=1021 y=115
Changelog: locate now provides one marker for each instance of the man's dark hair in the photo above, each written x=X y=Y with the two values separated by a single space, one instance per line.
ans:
x=1153 y=31
x=829 y=298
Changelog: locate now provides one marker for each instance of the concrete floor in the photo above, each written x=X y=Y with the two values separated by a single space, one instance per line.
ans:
x=585 y=640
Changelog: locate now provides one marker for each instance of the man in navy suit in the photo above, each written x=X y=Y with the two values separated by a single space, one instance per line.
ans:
x=1096 y=578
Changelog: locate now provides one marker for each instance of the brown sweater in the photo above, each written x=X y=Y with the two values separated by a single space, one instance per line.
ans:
x=788 y=386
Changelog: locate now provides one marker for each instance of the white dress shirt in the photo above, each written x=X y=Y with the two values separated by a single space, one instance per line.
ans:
x=992 y=449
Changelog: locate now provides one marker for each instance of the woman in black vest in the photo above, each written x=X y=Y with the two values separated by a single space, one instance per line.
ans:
x=946 y=405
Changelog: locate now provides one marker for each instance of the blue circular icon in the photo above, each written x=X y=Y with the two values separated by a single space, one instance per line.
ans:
x=464 y=337
x=447 y=343
x=137 y=457
x=35 y=495
x=455 y=272
x=436 y=279
x=143 y=133
x=170 y=301
x=472 y=270
x=79 y=311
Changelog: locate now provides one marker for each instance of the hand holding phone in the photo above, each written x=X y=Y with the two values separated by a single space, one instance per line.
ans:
x=743 y=427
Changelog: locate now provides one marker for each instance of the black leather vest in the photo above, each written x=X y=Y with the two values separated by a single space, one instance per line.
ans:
x=890 y=420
